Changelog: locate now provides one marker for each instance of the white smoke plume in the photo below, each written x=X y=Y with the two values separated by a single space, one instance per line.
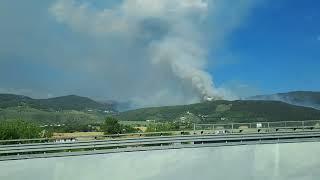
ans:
x=164 y=40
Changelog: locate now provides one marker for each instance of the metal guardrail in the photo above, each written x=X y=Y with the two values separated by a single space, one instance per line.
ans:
x=27 y=147
x=27 y=151
x=142 y=139
x=307 y=124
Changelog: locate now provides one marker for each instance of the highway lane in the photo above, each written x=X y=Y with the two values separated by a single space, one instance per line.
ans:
x=279 y=161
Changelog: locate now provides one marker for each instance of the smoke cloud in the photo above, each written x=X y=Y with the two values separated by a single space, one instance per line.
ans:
x=148 y=52
x=166 y=33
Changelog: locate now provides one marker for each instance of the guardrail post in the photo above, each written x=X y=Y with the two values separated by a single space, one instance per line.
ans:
x=302 y=125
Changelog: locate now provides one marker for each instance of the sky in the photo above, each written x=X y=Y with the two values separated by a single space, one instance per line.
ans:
x=159 y=52
x=277 y=49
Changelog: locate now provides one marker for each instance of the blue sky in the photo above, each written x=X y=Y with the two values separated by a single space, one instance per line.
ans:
x=277 y=49
x=60 y=47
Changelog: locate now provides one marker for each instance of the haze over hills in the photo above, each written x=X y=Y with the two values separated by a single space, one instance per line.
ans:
x=300 y=98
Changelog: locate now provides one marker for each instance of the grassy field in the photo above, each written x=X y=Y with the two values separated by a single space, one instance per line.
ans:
x=135 y=123
x=76 y=134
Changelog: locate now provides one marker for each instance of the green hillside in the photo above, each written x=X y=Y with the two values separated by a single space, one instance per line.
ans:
x=225 y=111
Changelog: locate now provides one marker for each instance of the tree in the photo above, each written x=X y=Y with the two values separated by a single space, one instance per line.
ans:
x=111 y=126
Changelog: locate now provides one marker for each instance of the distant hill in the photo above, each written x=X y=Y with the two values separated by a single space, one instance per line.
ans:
x=71 y=102
x=300 y=98
x=225 y=111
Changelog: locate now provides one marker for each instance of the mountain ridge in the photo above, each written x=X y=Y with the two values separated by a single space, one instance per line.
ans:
x=300 y=98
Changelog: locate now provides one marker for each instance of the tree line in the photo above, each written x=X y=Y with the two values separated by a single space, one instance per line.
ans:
x=19 y=129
